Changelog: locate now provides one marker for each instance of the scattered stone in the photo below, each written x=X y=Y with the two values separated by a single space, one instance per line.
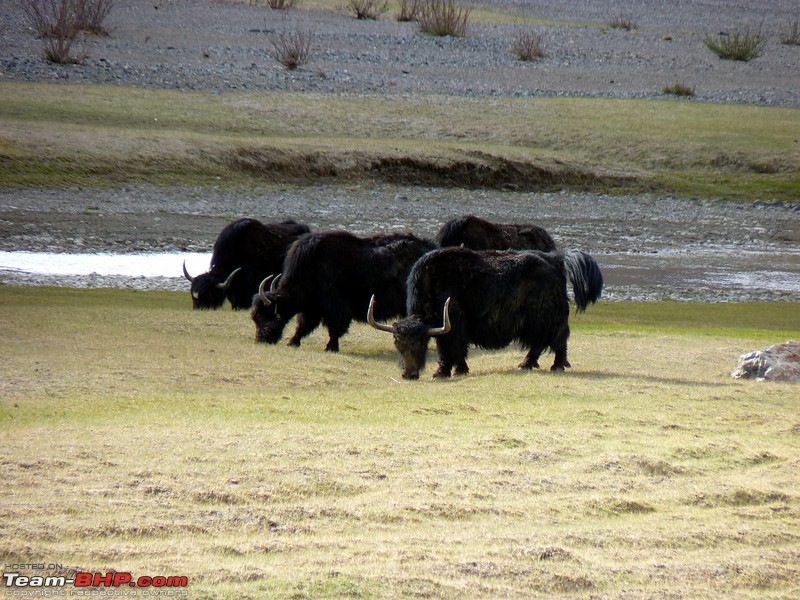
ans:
x=780 y=362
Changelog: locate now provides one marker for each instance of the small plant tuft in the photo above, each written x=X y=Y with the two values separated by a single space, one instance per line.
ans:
x=679 y=89
x=443 y=17
x=528 y=45
x=622 y=22
x=741 y=46
x=368 y=9
x=792 y=37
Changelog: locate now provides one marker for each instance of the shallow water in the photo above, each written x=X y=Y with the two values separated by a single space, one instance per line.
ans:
x=160 y=264
x=701 y=274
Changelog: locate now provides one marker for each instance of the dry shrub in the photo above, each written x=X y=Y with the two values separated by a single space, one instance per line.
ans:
x=292 y=48
x=91 y=14
x=408 y=10
x=528 y=45
x=368 y=9
x=59 y=23
x=443 y=17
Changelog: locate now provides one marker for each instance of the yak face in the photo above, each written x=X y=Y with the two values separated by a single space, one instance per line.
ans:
x=269 y=321
x=411 y=337
x=206 y=292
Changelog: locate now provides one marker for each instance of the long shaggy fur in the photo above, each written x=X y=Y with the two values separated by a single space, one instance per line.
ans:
x=478 y=234
x=257 y=248
x=497 y=298
x=329 y=277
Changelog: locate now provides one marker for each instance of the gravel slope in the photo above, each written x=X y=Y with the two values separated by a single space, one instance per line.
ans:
x=218 y=45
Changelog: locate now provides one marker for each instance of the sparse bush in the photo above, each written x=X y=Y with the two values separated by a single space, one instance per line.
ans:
x=408 y=10
x=57 y=23
x=292 y=48
x=743 y=46
x=443 y=17
x=91 y=14
x=679 y=89
x=622 y=22
x=368 y=9
x=792 y=37
x=274 y=4
x=527 y=45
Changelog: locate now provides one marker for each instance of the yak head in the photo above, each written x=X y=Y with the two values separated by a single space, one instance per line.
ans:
x=208 y=290
x=266 y=312
x=411 y=337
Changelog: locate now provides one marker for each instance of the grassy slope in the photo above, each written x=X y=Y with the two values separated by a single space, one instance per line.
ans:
x=140 y=435
x=103 y=135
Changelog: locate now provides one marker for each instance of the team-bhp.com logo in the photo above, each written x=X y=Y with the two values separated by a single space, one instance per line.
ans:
x=87 y=584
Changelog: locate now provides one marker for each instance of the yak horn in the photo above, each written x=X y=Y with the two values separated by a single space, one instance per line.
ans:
x=224 y=285
x=371 y=317
x=434 y=331
x=186 y=273
x=274 y=285
x=263 y=294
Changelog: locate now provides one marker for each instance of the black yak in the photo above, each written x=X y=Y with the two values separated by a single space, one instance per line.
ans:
x=328 y=277
x=490 y=299
x=245 y=252
x=477 y=234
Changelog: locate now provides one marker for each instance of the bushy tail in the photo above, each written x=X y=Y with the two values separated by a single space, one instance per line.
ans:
x=584 y=273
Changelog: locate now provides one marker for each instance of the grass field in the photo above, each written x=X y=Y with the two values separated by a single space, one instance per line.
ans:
x=141 y=436
x=105 y=135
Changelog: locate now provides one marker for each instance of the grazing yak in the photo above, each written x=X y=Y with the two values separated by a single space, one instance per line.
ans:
x=245 y=252
x=477 y=234
x=328 y=277
x=490 y=299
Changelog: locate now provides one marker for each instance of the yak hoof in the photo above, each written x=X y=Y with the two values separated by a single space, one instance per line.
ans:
x=558 y=367
x=529 y=365
x=441 y=374
x=332 y=347
x=294 y=342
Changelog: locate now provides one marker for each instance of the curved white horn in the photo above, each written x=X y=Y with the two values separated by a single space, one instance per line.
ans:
x=274 y=285
x=262 y=294
x=371 y=318
x=224 y=285
x=445 y=325
x=186 y=273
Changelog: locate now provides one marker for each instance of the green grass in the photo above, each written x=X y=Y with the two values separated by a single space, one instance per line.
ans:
x=92 y=135
x=142 y=436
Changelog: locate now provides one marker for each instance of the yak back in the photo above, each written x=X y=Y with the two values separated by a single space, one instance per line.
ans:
x=497 y=297
x=479 y=234
x=337 y=266
x=250 y=243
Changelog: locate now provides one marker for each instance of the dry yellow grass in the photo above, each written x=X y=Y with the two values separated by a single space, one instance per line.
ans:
x=141 y=436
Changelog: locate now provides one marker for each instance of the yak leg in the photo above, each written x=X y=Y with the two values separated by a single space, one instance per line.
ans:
x=561 y=362
x=306 y=323
x=532 y=358
x=451 y=353
x=443 y=371
x=335 y=331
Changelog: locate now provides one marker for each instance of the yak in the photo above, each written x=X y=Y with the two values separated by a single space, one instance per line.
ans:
x=245 y=252
x=477 y=234
x=328 y=277
x=490 y=299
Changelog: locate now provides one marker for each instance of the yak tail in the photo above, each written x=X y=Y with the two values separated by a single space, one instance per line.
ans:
x=584 y=273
